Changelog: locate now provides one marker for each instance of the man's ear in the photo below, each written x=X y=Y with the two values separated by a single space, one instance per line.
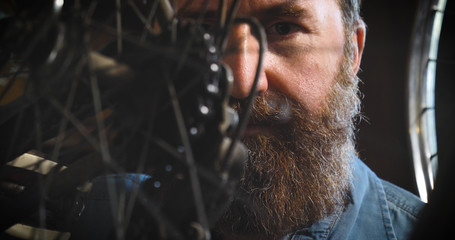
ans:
x=358 y=41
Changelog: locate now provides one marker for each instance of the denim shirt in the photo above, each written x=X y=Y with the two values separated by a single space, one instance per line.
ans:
x=378 y=210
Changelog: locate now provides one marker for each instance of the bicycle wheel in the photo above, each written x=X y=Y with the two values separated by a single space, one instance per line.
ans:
x=95 y=87
x=436 y=215
x=422 y=68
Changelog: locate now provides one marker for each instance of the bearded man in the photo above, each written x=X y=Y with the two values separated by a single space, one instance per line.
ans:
x=303 y=179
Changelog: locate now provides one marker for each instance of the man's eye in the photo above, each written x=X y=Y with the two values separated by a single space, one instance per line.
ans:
x=283 y=28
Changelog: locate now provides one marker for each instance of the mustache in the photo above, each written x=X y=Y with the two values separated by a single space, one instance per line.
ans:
x=268 y=109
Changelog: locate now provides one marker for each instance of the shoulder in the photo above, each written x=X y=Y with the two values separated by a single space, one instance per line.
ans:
x=403 y=200
x=383 y=204
x=404 y=208
x=377 y=210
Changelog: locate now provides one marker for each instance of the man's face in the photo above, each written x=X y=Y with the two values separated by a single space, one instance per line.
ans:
x=305 y=48
x=300 y=133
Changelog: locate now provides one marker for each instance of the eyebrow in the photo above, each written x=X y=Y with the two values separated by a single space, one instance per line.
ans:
x=286 y=9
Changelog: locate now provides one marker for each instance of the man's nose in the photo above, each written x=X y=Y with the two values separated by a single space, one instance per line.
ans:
x=242 y=56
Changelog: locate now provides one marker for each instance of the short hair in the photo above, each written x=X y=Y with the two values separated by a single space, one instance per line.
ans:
x=351 y=12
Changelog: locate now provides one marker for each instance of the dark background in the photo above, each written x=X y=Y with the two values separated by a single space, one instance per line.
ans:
x=382 y=138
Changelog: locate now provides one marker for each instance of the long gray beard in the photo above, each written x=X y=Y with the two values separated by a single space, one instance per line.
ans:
x=299 y=172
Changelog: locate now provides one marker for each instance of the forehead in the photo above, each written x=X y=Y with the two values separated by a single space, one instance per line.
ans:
x=262 y=8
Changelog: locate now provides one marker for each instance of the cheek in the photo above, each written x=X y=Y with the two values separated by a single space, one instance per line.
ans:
x=308 y=78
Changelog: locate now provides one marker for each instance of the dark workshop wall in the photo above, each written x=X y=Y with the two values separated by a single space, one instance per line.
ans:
x=382 y=139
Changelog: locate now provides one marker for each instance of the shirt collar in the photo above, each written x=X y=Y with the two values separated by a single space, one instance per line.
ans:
x=367 y=199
